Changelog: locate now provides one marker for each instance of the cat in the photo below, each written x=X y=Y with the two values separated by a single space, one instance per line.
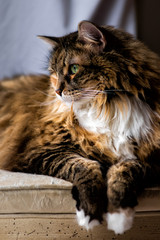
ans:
x=94 y=122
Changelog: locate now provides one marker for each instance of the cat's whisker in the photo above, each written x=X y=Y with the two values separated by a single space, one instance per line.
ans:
x=47 y=103
x=93 y=95
x=44 y=93
x=105 y=91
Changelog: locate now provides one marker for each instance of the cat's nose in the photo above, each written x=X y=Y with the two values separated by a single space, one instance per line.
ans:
x=59 y=92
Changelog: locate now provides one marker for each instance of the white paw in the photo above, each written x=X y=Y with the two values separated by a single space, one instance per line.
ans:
x=84 y=220
x=120 y=221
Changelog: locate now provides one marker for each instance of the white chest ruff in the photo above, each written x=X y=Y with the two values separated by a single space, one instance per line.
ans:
x=133 y=120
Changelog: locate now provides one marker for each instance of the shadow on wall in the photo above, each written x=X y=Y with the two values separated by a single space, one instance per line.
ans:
x=100 y=16
x=148 y=23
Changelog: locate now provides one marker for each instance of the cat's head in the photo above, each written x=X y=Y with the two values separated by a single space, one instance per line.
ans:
x=97 y=64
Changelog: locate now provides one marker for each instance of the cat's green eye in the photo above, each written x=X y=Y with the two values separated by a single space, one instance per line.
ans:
x=74 y=68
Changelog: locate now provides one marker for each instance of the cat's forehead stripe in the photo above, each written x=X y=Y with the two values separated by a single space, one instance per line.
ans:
x=79 y=59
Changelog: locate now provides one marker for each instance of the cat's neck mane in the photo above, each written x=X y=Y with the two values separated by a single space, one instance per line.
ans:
x=121 y=121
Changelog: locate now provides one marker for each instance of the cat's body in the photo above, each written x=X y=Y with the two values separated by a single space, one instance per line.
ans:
x=94 y=121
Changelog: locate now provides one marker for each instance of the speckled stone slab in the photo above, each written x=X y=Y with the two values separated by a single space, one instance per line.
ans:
x=12 y=180
x=30 y=193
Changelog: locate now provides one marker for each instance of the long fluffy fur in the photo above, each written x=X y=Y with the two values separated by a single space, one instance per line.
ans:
x=98 y=128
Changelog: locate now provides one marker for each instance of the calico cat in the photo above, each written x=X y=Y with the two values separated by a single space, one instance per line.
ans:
x=94 y=122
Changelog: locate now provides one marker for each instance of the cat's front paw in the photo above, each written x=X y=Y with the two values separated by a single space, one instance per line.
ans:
x=85 y=221
x=91 y=204
x=120 y=220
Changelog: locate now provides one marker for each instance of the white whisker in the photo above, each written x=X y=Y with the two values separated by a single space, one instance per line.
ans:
x=47 y=103
x=104 y=91
x=44 y=93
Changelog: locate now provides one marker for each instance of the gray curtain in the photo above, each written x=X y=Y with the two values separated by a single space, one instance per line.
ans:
x=21 y=52
x=148 y=23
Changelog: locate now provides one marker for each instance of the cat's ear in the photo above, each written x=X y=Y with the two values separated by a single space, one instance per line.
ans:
x=53 y=41
x=91 y=34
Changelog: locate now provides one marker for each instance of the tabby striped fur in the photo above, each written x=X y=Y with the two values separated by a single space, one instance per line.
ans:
x=97 y=128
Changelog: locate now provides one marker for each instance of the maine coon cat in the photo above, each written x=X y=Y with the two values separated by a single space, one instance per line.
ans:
x=94 y=122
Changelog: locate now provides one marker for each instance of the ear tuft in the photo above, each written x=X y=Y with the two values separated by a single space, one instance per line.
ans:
x=53 y=41
x=91 y=34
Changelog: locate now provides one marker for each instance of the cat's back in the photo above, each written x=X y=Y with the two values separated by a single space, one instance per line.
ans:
x=20 y=103
x=24 y=83
x=22 y=91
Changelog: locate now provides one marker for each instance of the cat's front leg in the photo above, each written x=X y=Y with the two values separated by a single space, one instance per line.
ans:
x=89 y=191
x=89 y=185
x=124 y=182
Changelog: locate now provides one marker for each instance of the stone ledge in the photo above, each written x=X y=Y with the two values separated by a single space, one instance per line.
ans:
x=30 y=193
x=41 y=207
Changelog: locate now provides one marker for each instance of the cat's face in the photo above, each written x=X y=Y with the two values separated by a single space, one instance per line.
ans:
x=76 y=77
x=80 y=72
x=92 y=65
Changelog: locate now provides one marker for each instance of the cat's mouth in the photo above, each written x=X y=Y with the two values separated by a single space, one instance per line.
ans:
x=71 y=96
x=82 y=95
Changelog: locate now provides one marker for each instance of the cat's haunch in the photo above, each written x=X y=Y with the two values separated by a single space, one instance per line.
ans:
x=94 y=122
